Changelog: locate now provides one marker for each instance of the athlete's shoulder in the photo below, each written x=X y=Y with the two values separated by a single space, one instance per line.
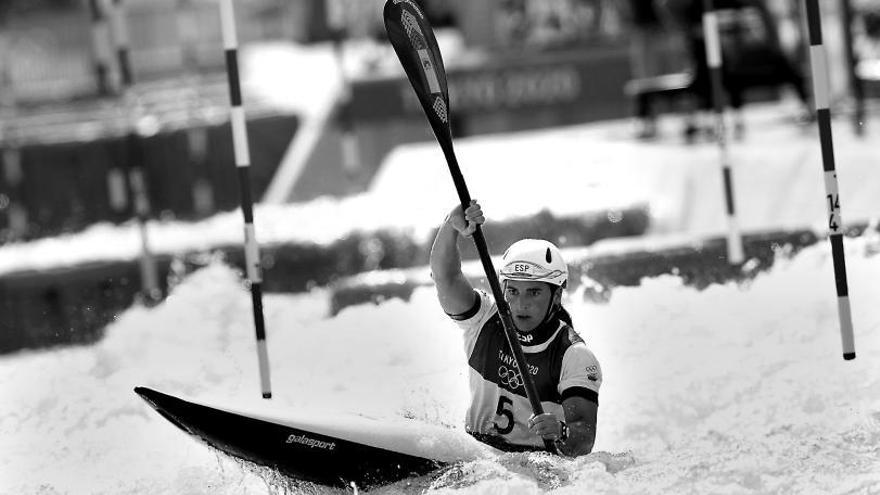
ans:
x=577 y=346
x=477 y=319
x=575 y=349
x=570 y=335
x=581 y=372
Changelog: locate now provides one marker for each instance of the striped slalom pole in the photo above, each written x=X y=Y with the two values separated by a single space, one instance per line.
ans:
x=10 y=152
x=120 y=40
x=118 y=192
x=101 y=46
x=819 y=66
x=350 y=151
x=187 y=35
x=242 y=163
x=13 y=175
x=202 y=191
x=735 y=254
x=335 y=11
x=116 y=176
x=852 y=61
x=196 y=135
x=133 y=162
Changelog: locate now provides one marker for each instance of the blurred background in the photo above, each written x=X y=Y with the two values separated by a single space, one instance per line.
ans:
x=91 y=89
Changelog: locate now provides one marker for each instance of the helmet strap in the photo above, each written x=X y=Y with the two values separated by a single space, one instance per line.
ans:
x=553 y=309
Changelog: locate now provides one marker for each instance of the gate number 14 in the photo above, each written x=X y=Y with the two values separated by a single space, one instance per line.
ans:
x=834 y=206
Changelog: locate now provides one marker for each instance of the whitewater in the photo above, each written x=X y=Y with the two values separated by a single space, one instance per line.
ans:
x=736 y=388
x=733 y=389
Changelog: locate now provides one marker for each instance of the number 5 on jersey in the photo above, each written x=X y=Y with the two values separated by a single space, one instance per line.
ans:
x=504 y=410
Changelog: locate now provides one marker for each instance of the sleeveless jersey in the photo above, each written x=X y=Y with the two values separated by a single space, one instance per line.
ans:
x=562 y=366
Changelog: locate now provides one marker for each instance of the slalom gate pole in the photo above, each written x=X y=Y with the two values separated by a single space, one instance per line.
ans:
x=350 y=151
x=202 y=192
x=10 y=151
x=101 y=46
x=186 y=35
x=117 y=190
x=243 y=163
x=197 y=149
x=712 y=38
x=134 y=158
x=13 y=175
x=819 y=66
x=416 y=46
x=855 y=82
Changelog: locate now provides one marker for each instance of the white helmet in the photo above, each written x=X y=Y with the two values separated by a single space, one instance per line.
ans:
x=534 y=259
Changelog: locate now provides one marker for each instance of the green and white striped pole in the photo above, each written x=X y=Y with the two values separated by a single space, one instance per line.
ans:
x=101 y=46
x=243 y=163
x=202 y=191
x=133 y=161
x=13 y=202
x=735 y=253
x=350 y=148
x=819 y=66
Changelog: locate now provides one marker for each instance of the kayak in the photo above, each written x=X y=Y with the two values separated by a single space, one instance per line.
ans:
x=327 y=449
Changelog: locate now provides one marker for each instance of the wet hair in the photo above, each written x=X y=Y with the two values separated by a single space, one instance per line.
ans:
x=559 y=312
x=563 y=315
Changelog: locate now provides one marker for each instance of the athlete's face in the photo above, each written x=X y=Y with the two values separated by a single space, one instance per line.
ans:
x=529 y=302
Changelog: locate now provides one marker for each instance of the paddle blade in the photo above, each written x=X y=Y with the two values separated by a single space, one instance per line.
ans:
x=413 y=40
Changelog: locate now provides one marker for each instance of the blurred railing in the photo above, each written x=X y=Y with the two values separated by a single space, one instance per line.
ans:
x=47 y=57
x=51 y=54
x=62 y=121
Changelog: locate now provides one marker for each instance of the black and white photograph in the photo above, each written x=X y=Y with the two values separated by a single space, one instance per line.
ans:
x=457 y=247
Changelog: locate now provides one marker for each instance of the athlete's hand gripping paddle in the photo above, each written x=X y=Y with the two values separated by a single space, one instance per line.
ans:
x=413 y=39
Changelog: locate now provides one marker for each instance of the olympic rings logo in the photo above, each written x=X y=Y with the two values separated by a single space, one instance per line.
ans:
x=510 y=377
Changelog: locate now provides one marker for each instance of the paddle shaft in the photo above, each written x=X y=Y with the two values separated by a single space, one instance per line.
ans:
x=412 y=38
x=503 y=309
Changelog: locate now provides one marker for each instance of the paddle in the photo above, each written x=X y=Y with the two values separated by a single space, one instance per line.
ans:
x=413 y=39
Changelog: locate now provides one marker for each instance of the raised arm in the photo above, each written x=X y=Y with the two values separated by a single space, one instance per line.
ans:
x=453 y=289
